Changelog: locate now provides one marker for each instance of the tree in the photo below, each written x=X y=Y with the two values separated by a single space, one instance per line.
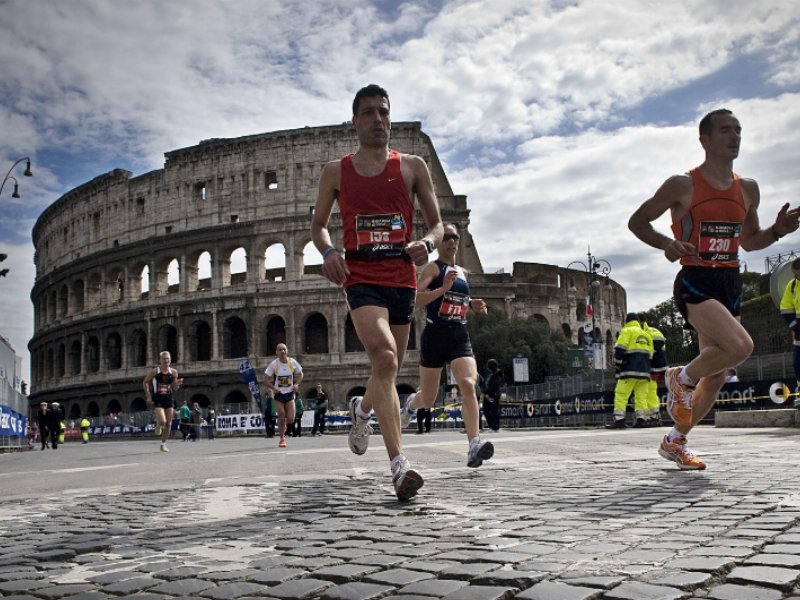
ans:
x=681 y=343
x=496 y=336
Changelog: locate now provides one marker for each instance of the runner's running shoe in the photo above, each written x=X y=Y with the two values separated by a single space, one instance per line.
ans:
x=405 y=412
x=164 y=448
x=679 y=398
x=282 y=443
x=478 y=453
x=360 y=430
x=406 y=481
x=678 y=452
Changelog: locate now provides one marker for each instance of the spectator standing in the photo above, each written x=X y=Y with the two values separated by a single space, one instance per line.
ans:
x=320 y=409
x=41 y=420
x=211 y=422
x=185 y=420
x=492 y=383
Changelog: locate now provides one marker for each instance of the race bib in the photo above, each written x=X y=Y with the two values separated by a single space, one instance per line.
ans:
x=719 y=241
x=454 y=306
x=381 y=236
x=163 y=389
x=285 y=381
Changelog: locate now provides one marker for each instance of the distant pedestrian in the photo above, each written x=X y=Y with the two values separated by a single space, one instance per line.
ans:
x=185 y=421
x=197 y=420
x=41 y=420
x=211 y=422
x=84 y=425
x=424 y=420
x=493 y=381
x=54 y=418
x=320 y=410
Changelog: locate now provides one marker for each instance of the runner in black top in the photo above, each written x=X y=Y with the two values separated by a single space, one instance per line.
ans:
x=159 y=385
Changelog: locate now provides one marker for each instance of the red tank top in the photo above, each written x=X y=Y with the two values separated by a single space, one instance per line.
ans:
x=377 y=220
x=713 y=223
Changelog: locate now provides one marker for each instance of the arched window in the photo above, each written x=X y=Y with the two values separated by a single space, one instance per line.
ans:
x=93 y=354
x=168 y=340
x=351 y=341
x=75 y=358
x=114 y=351
x=234 y=338
x=316 y=334
x=200 y=341
x=276 y=334
x=238 y=266
x=138 y=348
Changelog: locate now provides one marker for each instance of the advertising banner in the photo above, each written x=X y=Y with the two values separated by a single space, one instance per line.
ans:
x=12 y=424
x=248 y=373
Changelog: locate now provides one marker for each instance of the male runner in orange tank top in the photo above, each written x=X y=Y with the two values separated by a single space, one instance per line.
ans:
x=714 y=212
x=375 y=189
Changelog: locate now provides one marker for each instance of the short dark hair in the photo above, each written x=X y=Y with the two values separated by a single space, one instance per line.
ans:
x=796 y=264
x=491 y=364
x=369 y=91
x=705 y=122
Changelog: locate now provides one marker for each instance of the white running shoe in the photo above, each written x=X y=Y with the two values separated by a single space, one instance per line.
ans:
x=360 y=430
x=478 y=453
x=164 y=448
x=406 y=481
x=405 y=412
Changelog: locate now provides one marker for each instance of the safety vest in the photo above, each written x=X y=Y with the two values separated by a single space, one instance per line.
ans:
x=633 y=352
x=658 y=363
x=790 y=305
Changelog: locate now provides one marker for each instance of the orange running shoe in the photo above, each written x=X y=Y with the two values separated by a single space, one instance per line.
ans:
x=678 y=452
x=679 y=398
x=282 y=443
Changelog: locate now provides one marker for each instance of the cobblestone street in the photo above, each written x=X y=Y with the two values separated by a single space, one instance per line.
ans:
x=572 y=515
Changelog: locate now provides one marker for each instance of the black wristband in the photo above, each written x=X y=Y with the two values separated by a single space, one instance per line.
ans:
x=775 y=235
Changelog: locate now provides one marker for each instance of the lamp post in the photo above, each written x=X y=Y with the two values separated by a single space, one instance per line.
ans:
x=27 y=173
x=15 y=193
x=596 y=269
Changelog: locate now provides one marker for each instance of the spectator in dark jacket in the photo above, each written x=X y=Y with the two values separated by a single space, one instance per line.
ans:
x=54 y=417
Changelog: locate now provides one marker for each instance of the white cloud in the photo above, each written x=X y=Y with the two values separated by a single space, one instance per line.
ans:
x=533 y=105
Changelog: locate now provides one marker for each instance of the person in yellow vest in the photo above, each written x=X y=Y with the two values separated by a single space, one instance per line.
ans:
x=84 y=425
x=632 y=355
x=658 y=366
x=62 y=430
x=790 y=311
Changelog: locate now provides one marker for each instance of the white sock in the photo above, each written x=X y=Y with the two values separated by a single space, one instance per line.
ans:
x=475 y=441
x=672 y=435
x=396 y=462
x=684 y=378
x=360 y=413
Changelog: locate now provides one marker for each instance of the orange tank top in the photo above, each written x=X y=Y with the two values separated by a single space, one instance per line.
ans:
x=713 y=223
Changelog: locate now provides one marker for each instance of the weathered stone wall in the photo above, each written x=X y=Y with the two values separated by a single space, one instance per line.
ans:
x=96 y=330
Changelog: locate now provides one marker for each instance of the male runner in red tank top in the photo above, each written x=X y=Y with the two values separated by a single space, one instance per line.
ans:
x=375 y=189
x=714 y=212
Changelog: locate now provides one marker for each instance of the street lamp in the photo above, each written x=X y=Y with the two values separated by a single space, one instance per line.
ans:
x=596 y=269
x=27 y=173
x=14 y=194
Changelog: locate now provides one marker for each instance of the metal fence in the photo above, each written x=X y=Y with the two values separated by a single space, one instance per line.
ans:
x=12 y=400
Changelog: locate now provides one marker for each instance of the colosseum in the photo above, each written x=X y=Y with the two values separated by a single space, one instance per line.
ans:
x=211 y=259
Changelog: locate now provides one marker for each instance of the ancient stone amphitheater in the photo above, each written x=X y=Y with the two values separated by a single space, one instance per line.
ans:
x=211 y=259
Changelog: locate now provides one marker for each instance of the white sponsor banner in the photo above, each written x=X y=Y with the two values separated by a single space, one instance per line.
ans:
x=240 y=422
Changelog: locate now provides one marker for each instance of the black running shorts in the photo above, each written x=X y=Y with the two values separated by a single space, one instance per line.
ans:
x=399 y=301
x=694 y=285
x=442 y=343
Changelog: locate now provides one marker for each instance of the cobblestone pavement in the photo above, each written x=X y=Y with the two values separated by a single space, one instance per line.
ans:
x=556 y=515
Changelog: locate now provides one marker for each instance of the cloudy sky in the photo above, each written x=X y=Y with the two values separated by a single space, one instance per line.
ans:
x=555 y=118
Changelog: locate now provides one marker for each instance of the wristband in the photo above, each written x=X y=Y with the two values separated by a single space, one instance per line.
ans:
x=328 y=251
x=775 y=235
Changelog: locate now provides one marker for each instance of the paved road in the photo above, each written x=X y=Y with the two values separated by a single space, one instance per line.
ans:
x=556 y=515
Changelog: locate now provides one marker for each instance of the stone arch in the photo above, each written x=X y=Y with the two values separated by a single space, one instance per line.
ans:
x=404 y=389
x=312 y=260
x=351 y=341
x=201 y=399
x=92 y=409
x=94 y=290
x=116 y=285
x=238 y=266
x=61 y=361
x=137 y=355
x=234 y=338
x=138 y=404
x=159 y=275
x=235 y=397
x=92 y=354
x=200 y=341
x=167 y=339
x=204 y=274
x=144 y=281
x=540 y=318
x=316 y=334
x=276 y=334
x=567 y=330
x=173 y=276
x=75 y=411
x=78 y=294
x=114 y=407
x=275 y=262
x=113 y=351
x=75 y=352
x=63 y=301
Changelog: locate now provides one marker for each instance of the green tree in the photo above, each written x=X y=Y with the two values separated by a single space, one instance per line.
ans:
x=496 y=336
x=681 y=343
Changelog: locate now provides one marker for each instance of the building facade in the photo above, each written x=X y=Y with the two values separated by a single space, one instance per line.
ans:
x=211 y=258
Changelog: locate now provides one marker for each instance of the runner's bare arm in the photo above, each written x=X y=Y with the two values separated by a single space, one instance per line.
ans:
x=428 y=205
x=673 y=195
x=426 y=296
x=334 y=268
x=752 y=236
